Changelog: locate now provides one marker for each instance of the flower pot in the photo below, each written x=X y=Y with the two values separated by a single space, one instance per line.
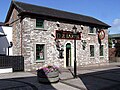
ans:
x=49 y=77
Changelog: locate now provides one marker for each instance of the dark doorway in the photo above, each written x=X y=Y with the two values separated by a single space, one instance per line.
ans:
x=68 y=54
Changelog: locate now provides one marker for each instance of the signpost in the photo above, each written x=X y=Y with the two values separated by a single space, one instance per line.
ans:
x=73 y=36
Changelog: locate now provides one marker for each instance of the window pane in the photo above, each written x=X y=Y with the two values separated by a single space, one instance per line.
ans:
x=101 y=50
x=39 y=23
x=91 y=50
x=91 y=29
x=39 y=51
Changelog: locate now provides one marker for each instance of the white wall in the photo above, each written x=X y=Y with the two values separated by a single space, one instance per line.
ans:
x=5 y=40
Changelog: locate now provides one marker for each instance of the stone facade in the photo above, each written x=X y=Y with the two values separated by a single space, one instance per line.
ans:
x=26 y=36
x=16 y=25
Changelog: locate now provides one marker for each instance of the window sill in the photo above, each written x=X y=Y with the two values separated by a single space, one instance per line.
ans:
x=92 y=57
x=91 y=33
x=101 y=56
x=42 y=29
x=40 y=61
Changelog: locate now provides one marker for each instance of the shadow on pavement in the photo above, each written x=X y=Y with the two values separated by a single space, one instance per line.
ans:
x=102 y=80
x=24 y=83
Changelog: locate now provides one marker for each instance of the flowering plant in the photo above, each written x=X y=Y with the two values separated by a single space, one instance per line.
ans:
x=48 y=69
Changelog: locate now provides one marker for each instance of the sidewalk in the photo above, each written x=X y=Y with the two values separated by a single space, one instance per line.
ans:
x=91 y=78
x=95 y=78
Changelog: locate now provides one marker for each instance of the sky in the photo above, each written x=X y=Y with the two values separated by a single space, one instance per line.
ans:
x=107 y=11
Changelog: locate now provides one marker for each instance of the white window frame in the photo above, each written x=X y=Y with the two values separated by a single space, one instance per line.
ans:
x=94 y=31
x=44 y=52
x=94 y=51
x=103 y=50
x=39 y=28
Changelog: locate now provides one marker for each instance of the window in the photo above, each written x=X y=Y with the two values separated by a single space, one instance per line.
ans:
x=101 y=50
x=91 y=50
x=40 y=50
x=39 y=23
x=91 y=30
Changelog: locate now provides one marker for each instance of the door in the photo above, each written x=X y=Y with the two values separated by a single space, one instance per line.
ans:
x=68 y=54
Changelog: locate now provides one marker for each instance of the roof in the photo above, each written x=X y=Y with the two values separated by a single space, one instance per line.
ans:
x=114 y=36
x=25 y=8
x=1 y=32
x=2 y=24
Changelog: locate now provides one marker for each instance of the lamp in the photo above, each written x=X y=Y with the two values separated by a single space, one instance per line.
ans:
x=58 y=45
x=74 y=29
x=58 y=24
x=81 y=26
x=84 y=44
x=75 y=67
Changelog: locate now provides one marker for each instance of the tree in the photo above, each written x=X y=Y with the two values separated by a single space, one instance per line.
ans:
x=109 y=43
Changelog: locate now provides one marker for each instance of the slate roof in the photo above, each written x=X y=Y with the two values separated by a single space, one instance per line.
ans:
x=2 y=24
x=25 y=8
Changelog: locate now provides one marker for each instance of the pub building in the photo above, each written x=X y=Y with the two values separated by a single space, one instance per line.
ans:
x=46 y=36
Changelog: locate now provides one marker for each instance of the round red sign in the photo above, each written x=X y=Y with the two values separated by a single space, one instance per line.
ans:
x=101 y=34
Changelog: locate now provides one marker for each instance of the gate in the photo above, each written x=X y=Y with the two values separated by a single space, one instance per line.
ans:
x=14 y=62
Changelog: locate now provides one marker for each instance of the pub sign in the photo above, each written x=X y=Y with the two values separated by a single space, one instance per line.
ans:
x=67 y=35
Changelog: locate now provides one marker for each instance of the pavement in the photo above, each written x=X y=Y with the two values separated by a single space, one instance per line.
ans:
x=88 y=78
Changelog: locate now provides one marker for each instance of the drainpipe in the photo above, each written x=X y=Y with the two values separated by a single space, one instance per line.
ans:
x=21 y=33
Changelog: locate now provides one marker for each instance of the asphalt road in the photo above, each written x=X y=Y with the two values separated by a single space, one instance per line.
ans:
x=88 y=79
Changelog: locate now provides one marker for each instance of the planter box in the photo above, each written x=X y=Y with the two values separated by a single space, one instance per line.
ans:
x=47 y=78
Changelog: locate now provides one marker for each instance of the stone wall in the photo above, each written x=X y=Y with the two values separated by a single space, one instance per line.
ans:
x=26 y=36
x=32 y=36
x=16 y=32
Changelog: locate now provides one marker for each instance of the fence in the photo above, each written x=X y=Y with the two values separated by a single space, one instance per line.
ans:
x=15 y=62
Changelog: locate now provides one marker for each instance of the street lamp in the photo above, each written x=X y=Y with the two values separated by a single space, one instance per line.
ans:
x=75 y=66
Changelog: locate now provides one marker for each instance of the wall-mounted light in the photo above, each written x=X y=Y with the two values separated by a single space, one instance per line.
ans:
x=82 y=27
x=58 y=24
x=59 y=48
x=84 y=44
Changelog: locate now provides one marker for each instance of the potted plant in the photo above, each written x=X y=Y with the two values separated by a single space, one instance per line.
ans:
x=48 y=74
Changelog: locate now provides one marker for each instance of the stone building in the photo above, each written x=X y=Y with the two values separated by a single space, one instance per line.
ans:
x=45 y=36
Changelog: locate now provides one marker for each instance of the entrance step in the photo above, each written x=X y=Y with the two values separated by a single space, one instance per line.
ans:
x=66 y=73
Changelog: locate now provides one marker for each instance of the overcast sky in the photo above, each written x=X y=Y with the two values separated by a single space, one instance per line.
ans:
x=104 y=10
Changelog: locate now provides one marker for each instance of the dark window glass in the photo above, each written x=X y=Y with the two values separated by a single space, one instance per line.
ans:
x=40 y=51
x=39 y=23
x=91 y=50
x=101 y=50
x=91 y=30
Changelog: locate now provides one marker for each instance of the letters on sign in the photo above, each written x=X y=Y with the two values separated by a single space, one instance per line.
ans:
x=101 y=34
x=67 y=35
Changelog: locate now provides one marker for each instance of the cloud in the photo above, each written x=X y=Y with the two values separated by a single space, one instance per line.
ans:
x=116 y=23
x=115 y=26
